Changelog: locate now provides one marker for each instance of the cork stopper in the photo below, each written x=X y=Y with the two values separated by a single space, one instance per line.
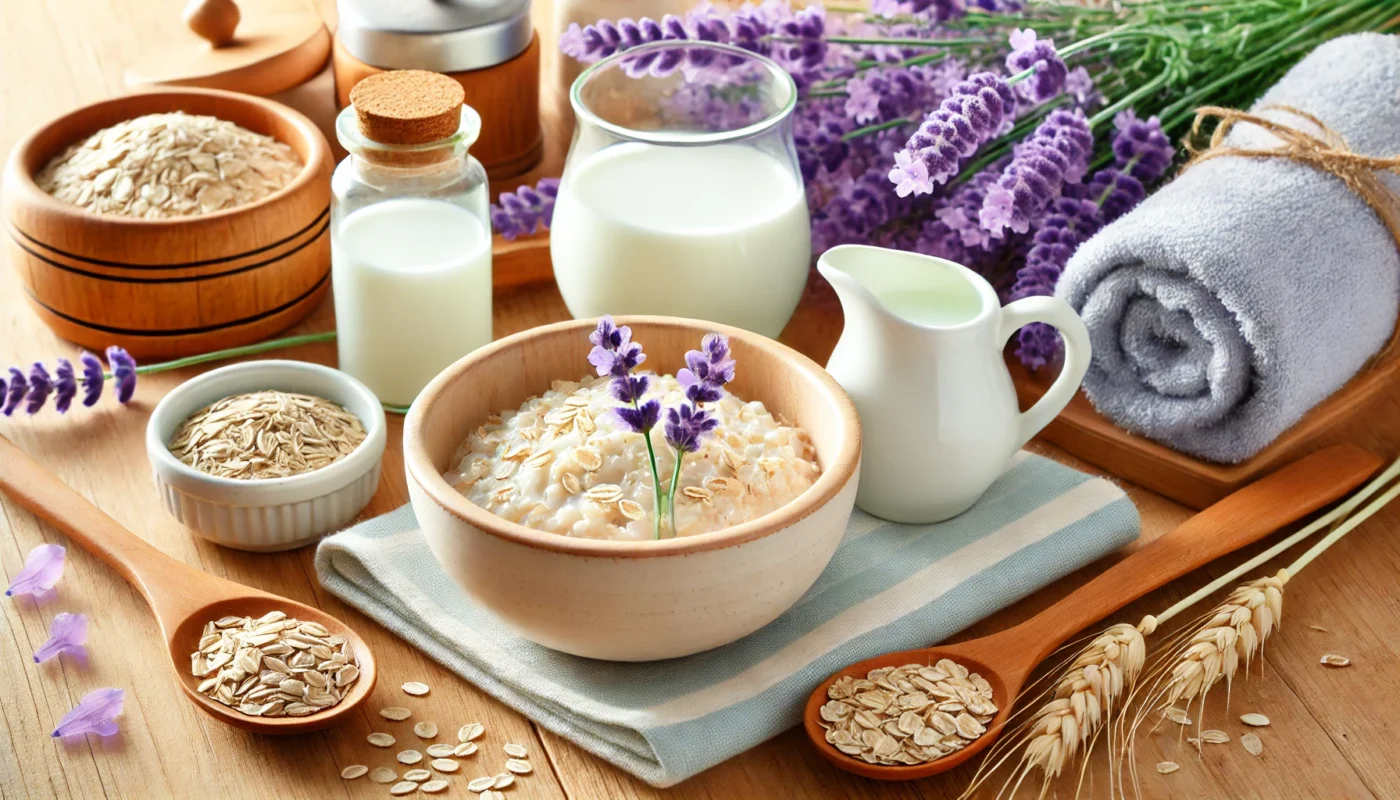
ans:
x=410 y=106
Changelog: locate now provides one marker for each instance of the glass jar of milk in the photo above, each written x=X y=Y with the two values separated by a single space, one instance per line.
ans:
x=410 y=250
x=681 y=194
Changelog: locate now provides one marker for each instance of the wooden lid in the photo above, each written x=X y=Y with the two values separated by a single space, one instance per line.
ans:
x=410 y=106
x=278 y=45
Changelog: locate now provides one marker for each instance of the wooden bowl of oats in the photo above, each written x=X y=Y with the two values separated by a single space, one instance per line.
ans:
x=567 y=558
x=171 y=222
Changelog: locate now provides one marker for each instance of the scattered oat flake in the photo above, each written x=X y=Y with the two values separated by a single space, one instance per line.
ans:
x=444 y=765
x=441 y=750
x=425 y=730
x=519 y=766
x=382 y=775
x=481 y=784
x=395 y=713
x=354 y=771
x=515 y=750
x=381 y=740
x=403 y=787
x=464 y=749
x=433 y=786
x=503 y=780
x=1178 y=716
x=470 y=731
x=419 y=775
x=1252 y=743
x=415 y=688
x=409 y=757
x=1167 y=767
x=1215 y=737
x=1254 y=720
x=1334 y=660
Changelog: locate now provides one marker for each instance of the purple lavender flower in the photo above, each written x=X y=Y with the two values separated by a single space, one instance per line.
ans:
x=93 y=378
x=707 y=370
x=65 y=386
x=808 y=27
x=685 y=426
x=933 y=10
x=1115 y=192
x=820 y=147
x=123 y=371
x=40 y=386
x=67 y=632
x=973 y=114
x=42 y=569
x=1057 y=153
x=1028 y=52
x=1079 y=84
x=18 y=388
x=1140 y=147
x=526 y=210
x=95 y=713
x=1068 y=223
x=614 y=353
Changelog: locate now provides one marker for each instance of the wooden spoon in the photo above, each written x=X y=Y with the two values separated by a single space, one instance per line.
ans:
x=1007 y=658
x=182 y=598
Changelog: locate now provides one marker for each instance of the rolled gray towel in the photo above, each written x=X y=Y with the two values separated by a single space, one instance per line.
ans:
x=1246 y=291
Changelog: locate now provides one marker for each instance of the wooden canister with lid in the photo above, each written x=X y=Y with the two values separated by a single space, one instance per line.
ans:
x=490 y=48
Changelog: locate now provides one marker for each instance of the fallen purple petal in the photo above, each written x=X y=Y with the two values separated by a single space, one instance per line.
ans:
x=68 y=632
x=42 y=569
x=18 y=388
x=95 y=713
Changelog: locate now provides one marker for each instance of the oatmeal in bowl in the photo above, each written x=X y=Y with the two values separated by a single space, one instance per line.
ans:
x=578 y=460
x=594 y=577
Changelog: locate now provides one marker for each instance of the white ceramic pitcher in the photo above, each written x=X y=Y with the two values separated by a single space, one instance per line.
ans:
x=921 y=356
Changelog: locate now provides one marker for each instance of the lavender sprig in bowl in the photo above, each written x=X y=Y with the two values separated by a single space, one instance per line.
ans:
x=631 y=600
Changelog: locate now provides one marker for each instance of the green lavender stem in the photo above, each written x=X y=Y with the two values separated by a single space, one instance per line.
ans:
x=671 y=492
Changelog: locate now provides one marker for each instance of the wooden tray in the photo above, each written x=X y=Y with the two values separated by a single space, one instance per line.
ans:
x=1365 y=412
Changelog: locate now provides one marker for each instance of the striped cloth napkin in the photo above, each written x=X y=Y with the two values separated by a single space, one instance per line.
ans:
x=888 y=587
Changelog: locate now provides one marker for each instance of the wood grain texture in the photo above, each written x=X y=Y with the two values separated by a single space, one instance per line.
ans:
x=1332 y=736
x=171 y=287
x=1006 y=659
x=1365 y=410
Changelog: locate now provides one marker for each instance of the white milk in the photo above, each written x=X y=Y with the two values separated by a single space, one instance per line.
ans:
x=412 y=292
x=718 y=233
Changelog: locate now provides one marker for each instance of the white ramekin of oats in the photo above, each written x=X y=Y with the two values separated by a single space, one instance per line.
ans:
x=589 y=577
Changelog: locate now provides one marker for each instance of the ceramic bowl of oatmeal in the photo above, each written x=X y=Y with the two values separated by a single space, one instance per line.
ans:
x=539 y=503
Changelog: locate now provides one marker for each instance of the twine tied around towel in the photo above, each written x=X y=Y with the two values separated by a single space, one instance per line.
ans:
x=1326 y=151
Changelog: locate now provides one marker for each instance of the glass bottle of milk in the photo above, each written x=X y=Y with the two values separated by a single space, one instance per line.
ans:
x=410 y=243
x=681 y=194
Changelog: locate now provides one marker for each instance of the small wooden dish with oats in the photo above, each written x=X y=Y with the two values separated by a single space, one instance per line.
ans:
x=583 y=564
x=291 y=451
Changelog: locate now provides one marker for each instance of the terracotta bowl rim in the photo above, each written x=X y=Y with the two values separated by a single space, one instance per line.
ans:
x=842 y=468
x=316 y=157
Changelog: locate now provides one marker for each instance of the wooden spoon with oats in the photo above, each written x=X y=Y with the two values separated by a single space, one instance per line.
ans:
x=186 y=601
x=858 y=713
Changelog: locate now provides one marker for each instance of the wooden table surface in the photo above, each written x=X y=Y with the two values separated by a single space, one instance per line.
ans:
x=1334 y=732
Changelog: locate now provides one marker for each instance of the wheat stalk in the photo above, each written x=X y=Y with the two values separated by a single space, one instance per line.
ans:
x=1090 y=690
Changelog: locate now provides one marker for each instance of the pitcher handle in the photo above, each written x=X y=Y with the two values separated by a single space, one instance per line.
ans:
x=1056 y=312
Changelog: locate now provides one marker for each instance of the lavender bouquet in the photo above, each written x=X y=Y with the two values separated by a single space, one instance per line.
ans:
x=960 y=129
x=706 y=372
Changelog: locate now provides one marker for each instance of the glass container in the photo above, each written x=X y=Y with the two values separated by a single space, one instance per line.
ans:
x=410 y=257
x=681 y=194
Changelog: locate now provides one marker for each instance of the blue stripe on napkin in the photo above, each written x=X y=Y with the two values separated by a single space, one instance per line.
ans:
x=889 y=587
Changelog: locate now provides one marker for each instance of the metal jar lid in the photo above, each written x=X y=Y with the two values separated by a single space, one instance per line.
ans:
x=436 y=35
